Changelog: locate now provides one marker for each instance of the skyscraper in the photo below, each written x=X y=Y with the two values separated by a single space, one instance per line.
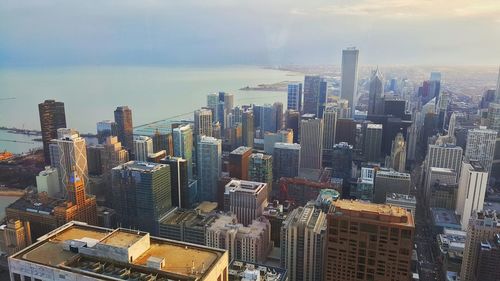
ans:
x=238 y=162
x=311 y=94
x=286 y=160
x=294 y=101
x=247 y=128
x=209 y=166
x=483 y=226
x=349 y=83
x=311 y=142
x=375 y=95
x=178 y=181
x=442 y=156
x=481 y=146
x=368 y=242
x=372 y=142
x=52 y=117
x=471 y=191
x=246 y=199
x=292 y=121
x=390 y=181
x=106 y=129
x=141 y=194
x=260 y=169
x=123 y=120
x=143 y=146
x=494 y=117
x=183 y=145
x=203 y=122
x=278 y=110
x=322 y=99
x=162 y=141
x=398 y=153
x=68 y=154
x=329 y=127
x=267 y=119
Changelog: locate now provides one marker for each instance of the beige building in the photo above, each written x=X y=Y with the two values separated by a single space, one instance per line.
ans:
x=14 y=236
x=77 y=251
x=246 y=199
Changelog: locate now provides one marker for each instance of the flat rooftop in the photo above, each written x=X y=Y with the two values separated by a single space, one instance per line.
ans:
x=183 y=261
x=140 y=166
x=379 y=212
x=241 y=150
x=244 y=186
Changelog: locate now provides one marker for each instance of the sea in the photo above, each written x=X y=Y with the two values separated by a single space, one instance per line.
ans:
x=91 y=94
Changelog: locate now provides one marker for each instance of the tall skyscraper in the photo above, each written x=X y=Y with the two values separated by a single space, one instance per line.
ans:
x=442 y=156
x=238 y=162
x=368 y=242
x=209 y=166
x=483 y=226
x=106 y=128
x=311 y=94
x=203 y=122
x=260 y=169
x=52 y=117
x=278 y=109
x=213 y=104
x=294 y=101
x=112 y=155
x=323 y=97
x=292 y=121
x=489 y=259
x=497 y=98
x=494 y=117
x=141 y=194
x=68 y=153
x=183 y=145
x=481 y=146
x=246 y=199
x=267 y=119
x=329 y=127
x=311 y=142
x=303 y=236
x=247 y=129
x=349 y=83
x=162 y=141
x=143 y=146
x=373 y=142
x=123 y=120
x=375 y=95
x=286 y=160
x=178 y=181
x=471 y=191
x=398 y=153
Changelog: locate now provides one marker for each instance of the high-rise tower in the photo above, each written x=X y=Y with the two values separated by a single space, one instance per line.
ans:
x=123 y=120
x=52 y=117
x=349 y=84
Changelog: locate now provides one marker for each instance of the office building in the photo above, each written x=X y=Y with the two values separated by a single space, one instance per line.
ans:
x=52 y=117
x=249 y=244
x=276 y=213
x=482 y=226
x=494 y=116
x=323 y=96
x=186 y=225
x=372 y=142
x=179 y=181
x=247 y=128
x=311 y=142
x=286 y=160
x=260 y=169
x=182 y=137
x=156 y=157
x=472 y=187
x=439 y=176
x=329 y=128
x=141 y=194
x=368 y=242
x=349 y=82
x=311 y=94
x=342 y=161
x=267 y=120
x=489 y=259
x=123 y=120
x=209 y=165
x=284 y=136
x=68 y=153
x=246 y=199
x=77 y=251
x=345 y=131
x=292 y=121
x=106 y=128
x=390 y=181
x=203 y=122
x=48 y=181
x=301 y=190
x=143 y=146
x=398 y=154
x=238 y=162
x=442 y=156
x=14 y=236
x=294 y=100
x=112 y=155
x=278 y=109
x=481 y=147
x=239 y=270
x=376 y=94
x=443 y=196
x=163 y=142
x=303 y=238
x=405 y=201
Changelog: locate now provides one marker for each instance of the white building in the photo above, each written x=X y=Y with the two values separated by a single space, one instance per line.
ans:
x=471 y=191
x=481 y=146
x=48 y=181
x=143 y=146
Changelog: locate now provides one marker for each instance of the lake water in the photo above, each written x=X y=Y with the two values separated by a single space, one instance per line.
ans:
x=18 y=143
x=91 y=94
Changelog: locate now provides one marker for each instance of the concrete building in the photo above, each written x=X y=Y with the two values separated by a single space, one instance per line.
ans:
x=68 y=153
x=209 y=158
x=15 y=235
x=349 y=73
x=368 y=242
x=238 y=162
x=482 y=226
x=294 y=97
x=311 y=143
x=203 y=122
x=143 y=146
x=276 y=214
x=286 y=160
x=438 y=176
x=303 y=238
x=141 y=194
x=494 y=116
x=247 y=128
x=48 y=181
x=398 y=154
x=179 y=181
x=163 y=141
x=471 y=191
x=284 y=136
x=443 y=195
x=260 y=169
x=249 y=244
x=329 y=127
x=489 y=259
x=182 y=137
x=405 y=201
x=77 y=251
x=442 y=156
x=246 y=199
x=52 y=117
x=123 y=120
x=186 y=225
x=481 y=147
x=390 y=181
x=372 y=142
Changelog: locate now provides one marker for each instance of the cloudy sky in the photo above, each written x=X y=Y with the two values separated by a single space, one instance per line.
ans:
x=206 y=32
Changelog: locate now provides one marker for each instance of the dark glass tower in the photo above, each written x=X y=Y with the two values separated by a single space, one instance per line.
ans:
x=52 y=117
x=123 y=120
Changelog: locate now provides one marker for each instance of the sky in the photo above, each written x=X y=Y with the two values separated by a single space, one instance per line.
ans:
x=258 y=32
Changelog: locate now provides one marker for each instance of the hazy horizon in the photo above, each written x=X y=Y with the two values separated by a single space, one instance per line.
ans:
x=228 y=32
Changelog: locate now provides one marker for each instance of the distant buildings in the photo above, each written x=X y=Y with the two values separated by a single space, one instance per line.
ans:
x=376 y=94
x=311 y=94
x=398 y=154
x=48 y=181
x=349 y=84
x=471 y=191
x=123 y=120
x=105 y=129
x=373 y=142
x=311 y=143
x=286 y=160
x=183 y=145
x=209 y=165
x=52 y=117
x=294 y=100
x=203 y=122
x=238 y=162
x=179 y=181
x=143 y=146
x=260 y=169
x=247 y=129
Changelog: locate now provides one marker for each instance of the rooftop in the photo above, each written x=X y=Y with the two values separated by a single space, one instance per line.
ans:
x=384 y=213
x=401 y=197
x=239 y=270
x=140 y=166
x=374 y=126
x=76 y=246
x=241 y=150
x=244 y=186
x=284 y=145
